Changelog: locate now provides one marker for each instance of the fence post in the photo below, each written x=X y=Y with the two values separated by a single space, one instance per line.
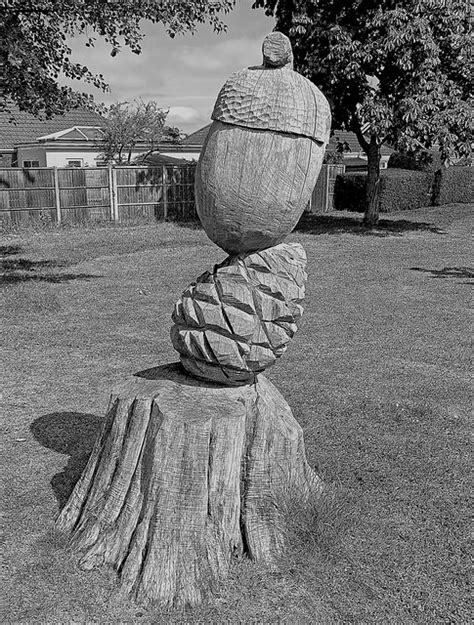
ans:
x=57 y=198
x=113 y=193
x=327 y=169
x=111 y=202
x=165 y=192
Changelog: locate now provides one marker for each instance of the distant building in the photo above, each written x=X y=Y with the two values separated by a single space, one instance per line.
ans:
x=68 y=140
x=190 y=147
x=64 y=140
x=354 y=157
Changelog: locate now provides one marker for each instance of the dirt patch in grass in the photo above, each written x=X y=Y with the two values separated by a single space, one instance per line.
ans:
x=378 y=376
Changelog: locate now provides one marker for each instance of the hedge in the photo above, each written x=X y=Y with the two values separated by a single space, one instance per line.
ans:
x=426 y=161
x=400 y=189
x=453 y=185
x=349 y=192
x=404 y=189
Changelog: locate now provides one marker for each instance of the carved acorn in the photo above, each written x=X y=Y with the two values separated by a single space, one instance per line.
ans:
x=263 y=153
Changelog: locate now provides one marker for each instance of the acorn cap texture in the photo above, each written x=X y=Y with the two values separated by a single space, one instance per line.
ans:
x=274 y=97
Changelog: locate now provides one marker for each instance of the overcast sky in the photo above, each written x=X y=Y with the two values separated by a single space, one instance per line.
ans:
x=183 y=74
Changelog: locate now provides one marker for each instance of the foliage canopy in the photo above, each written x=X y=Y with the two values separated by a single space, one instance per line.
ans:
x=34 y=35
x=127 y=125
x=395 y=71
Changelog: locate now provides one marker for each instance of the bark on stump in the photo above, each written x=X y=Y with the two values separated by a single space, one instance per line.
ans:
x=184 y=475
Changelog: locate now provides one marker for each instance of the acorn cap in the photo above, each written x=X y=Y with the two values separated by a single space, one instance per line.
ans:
x=274 y=97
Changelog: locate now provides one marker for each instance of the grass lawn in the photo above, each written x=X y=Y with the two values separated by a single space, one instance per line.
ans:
x=377 y=375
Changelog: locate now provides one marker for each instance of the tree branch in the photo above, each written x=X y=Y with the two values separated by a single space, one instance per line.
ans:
x=355 y=126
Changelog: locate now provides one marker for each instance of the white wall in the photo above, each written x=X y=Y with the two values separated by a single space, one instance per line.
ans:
x=59 y=159
x=89 y=159
x=363 y=155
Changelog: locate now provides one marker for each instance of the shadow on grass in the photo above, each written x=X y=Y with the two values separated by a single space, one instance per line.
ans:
x=330 y=224
x=23 y=270
x=71 y=433
x=9 y=250
x=449 y=272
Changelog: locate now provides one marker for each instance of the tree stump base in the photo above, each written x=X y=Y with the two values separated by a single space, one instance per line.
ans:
x=184 y=475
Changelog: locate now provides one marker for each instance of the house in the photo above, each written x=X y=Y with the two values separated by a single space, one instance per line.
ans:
x=68 y=140
x=159 y=159
x=64 y=140
x=354 y=157
x=188 y=148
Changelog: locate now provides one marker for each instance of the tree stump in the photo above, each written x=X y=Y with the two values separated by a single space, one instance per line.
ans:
x=184 y=475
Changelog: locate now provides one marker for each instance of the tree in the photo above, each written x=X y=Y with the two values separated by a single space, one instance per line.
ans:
x=127 y=125
x=400 y=70
x=34 y=50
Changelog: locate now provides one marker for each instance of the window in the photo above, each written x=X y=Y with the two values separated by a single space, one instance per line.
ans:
x=74 y=162
x=31 y=164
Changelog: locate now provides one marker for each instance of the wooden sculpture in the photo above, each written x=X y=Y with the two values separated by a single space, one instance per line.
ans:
x=263 y=153
x=195 y=457
x=236 y=321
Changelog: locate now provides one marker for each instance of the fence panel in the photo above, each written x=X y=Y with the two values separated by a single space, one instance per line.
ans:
x=98 y=193
x=333 y=173
x=317 y=203
x=181 y=204
x=27 y=195
x=79 y=195
x=140 y=193
x=165 y=192
x=322 y=198
x=84 y=195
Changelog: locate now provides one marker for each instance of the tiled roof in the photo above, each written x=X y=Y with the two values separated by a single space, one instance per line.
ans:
x=351 y=139
x=163 y=159
x=198 y=138
x=26 y=127
x=77 y=133
x=348 y=138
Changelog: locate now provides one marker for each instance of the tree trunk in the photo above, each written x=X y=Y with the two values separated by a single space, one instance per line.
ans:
x=184 y=475
x=371 y=215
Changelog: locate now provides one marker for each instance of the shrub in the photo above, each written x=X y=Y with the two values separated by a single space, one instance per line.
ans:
x=404 y=189
x=349 y=192
x=333 y=157
x=453 y=185
x=425 y=161
x=400 y=189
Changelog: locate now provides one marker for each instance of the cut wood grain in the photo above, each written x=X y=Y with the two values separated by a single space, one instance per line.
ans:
x=276 y=50
x=253 y=185
x=263 y=153
x=184 y=476
x=187 y=471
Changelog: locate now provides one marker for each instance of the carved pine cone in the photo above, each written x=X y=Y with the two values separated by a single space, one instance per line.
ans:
x=236 y=321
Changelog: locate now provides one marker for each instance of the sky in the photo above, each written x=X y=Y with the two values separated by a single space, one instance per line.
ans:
x=183 y=74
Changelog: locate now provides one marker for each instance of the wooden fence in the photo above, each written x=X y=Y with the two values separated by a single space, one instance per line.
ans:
x=120 y=194
x=81 y=195
x=322 y=199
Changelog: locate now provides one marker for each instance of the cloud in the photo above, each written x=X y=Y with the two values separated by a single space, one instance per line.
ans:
x=183 y=74
x=180 y=114
x=229 y=54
